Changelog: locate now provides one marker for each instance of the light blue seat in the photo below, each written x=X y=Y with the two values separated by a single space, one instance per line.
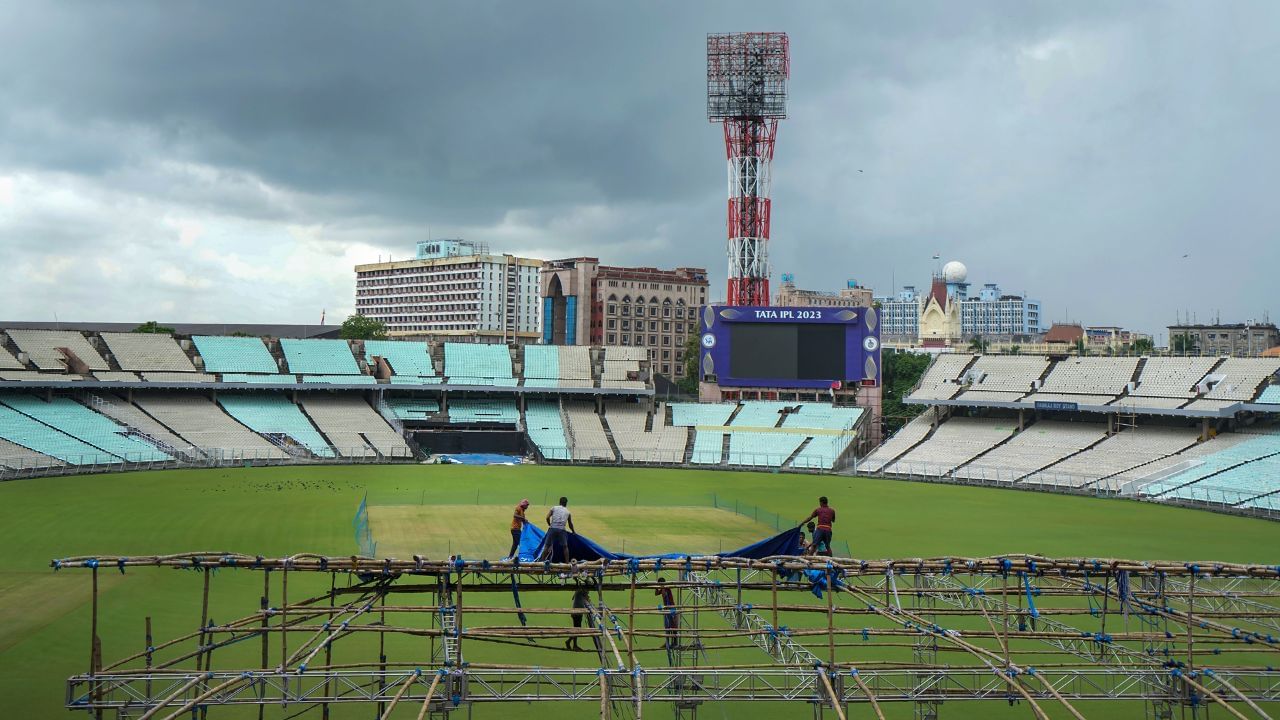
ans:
x=272 y=414
x=1270 y=395
x=708 y=448
x=340 y=379
x=407 y=359
x=319 y=357
x=546 y=429
x=477 y=364
x=274 y=379
x=541 y=362
x=414 y=380
x=407 y=408
x=823 y=449
x=762 y=449
x=693 y=414
x=34 y=435
x=72 y=418
x=483 y=411
x=760 y=413
x=227 y=354
x=1216 y=469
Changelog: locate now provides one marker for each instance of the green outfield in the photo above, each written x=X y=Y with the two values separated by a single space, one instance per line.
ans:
x=435 y=510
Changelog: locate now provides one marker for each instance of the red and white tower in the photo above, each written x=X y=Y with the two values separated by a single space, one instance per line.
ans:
x=747 y=92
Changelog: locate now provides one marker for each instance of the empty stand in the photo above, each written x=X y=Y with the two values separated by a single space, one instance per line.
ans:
x=147 y=351
x=114 y=376
x=557 y=366
x=760 y=413
x=1248 y=468
x=276 y=417
x=1109 y=376
x=319 y=357
x=1240 y=378
x=708 y=448
x=693 y=414
x=622 y=367
x=1172 y=377
x=1270 y=396
x=762 y=449
x=1037 y=446
x=76 y=420
x=37 y=376
x=664 y=443
x=27 y=432
x=1007 y=373
x=1121 y=452
x=477 y=364
x=900 y=442
x=339 y=379
x=353 y=428
x=484 y=411
x=131 y=416
x=44 y=348
x=234 y=354
x=955 y=442
x=199 y=421
x=274 y=379
x=941 y=380
x=586 y=434
x=408 y=408
x=833 y=430
x=8 y=361
x=16 y=457
x=546 y=429
x=407 y=359
x=171 y=377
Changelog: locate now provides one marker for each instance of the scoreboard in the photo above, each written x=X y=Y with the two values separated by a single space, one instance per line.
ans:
x=789 y=347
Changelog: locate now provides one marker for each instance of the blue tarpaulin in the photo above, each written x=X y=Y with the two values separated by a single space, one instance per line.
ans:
x=583 y=548
x=480 y=459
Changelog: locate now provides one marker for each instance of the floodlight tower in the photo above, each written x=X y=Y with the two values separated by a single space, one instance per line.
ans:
x=747 y=92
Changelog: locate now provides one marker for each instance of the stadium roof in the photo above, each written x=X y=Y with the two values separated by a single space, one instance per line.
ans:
x=181 y=328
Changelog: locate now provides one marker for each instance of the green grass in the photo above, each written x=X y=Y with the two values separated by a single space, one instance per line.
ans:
x=277 y=511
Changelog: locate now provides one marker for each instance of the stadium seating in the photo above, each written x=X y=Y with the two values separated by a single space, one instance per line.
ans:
x=259 y=379
x=483 y=411
x=1007 y=373
x=1037 y=446
x=1091 y=375
x=339 y=379
x=1236 y=467
x=36 y=376
x=586 y=435
x=76 y=420
x=8 y=361
x=24 y=431
x=353 y=428
x=1130 y=481
x=414 y=380
x=1053 y=397
x=990 y=396
x=663 y=443
x=42 y=347
x=620 y=364
x=1242 y=377
x=1122 y=451
x=546 y=429
x=708 y=448
x=223 y=354
x=406 y=358
x=1270 y=396
x=170 y=377
x=760 y=413
x=557 y=366
x=954 y=443
x=319 y=357
x=762 y=449
x=1236 y=485
x=408 y=408
x=16 y=457
x=271 y=414
x=693 y=414
x=477 y=364
x=1172 y=377
x=129 y=415
x=823 y=449
x=114 y=376
x=202 y=423
x=900 y=442
x=147 y=351
x=941 y=380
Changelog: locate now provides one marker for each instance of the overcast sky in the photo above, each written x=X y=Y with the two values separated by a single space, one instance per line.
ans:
x=220 y=161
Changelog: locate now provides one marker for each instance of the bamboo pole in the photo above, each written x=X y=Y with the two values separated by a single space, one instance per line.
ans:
x=173 y=696
x=631 y=624
x=871 y=697
x=1212 y=696
x=831 y=693
x=1058 y=696
x=773 y=586
x=404 y=686
x=1191 y=644
x=431 y=691
x=831 y=627
x=1261 y=713
x=204 y=622
x=328 y=648
x=202 y=697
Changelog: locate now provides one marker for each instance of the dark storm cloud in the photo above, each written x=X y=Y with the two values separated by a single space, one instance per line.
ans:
x=1075 y=151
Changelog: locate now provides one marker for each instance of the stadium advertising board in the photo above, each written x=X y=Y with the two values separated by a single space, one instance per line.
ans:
x=790 y=347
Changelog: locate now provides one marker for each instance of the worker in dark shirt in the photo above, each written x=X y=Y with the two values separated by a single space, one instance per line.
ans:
x=581 y=612
x=826 y=517
x=670 y=618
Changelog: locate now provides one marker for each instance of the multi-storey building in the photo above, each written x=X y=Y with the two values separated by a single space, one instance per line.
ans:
x=853 y=295
x=584 y=302
x=1240 y=339
x=454 y=288
x=990 y=314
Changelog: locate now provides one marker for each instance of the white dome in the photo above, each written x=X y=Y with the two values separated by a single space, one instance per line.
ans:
x=955 y=272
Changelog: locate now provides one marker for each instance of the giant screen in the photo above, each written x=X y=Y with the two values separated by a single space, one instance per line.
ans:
x=808 y=347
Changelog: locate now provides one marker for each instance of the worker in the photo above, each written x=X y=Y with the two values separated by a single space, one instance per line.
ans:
x=558 y=519
x=581 y=611
x=518 y=522
x=826 y=516
x=670 y=620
